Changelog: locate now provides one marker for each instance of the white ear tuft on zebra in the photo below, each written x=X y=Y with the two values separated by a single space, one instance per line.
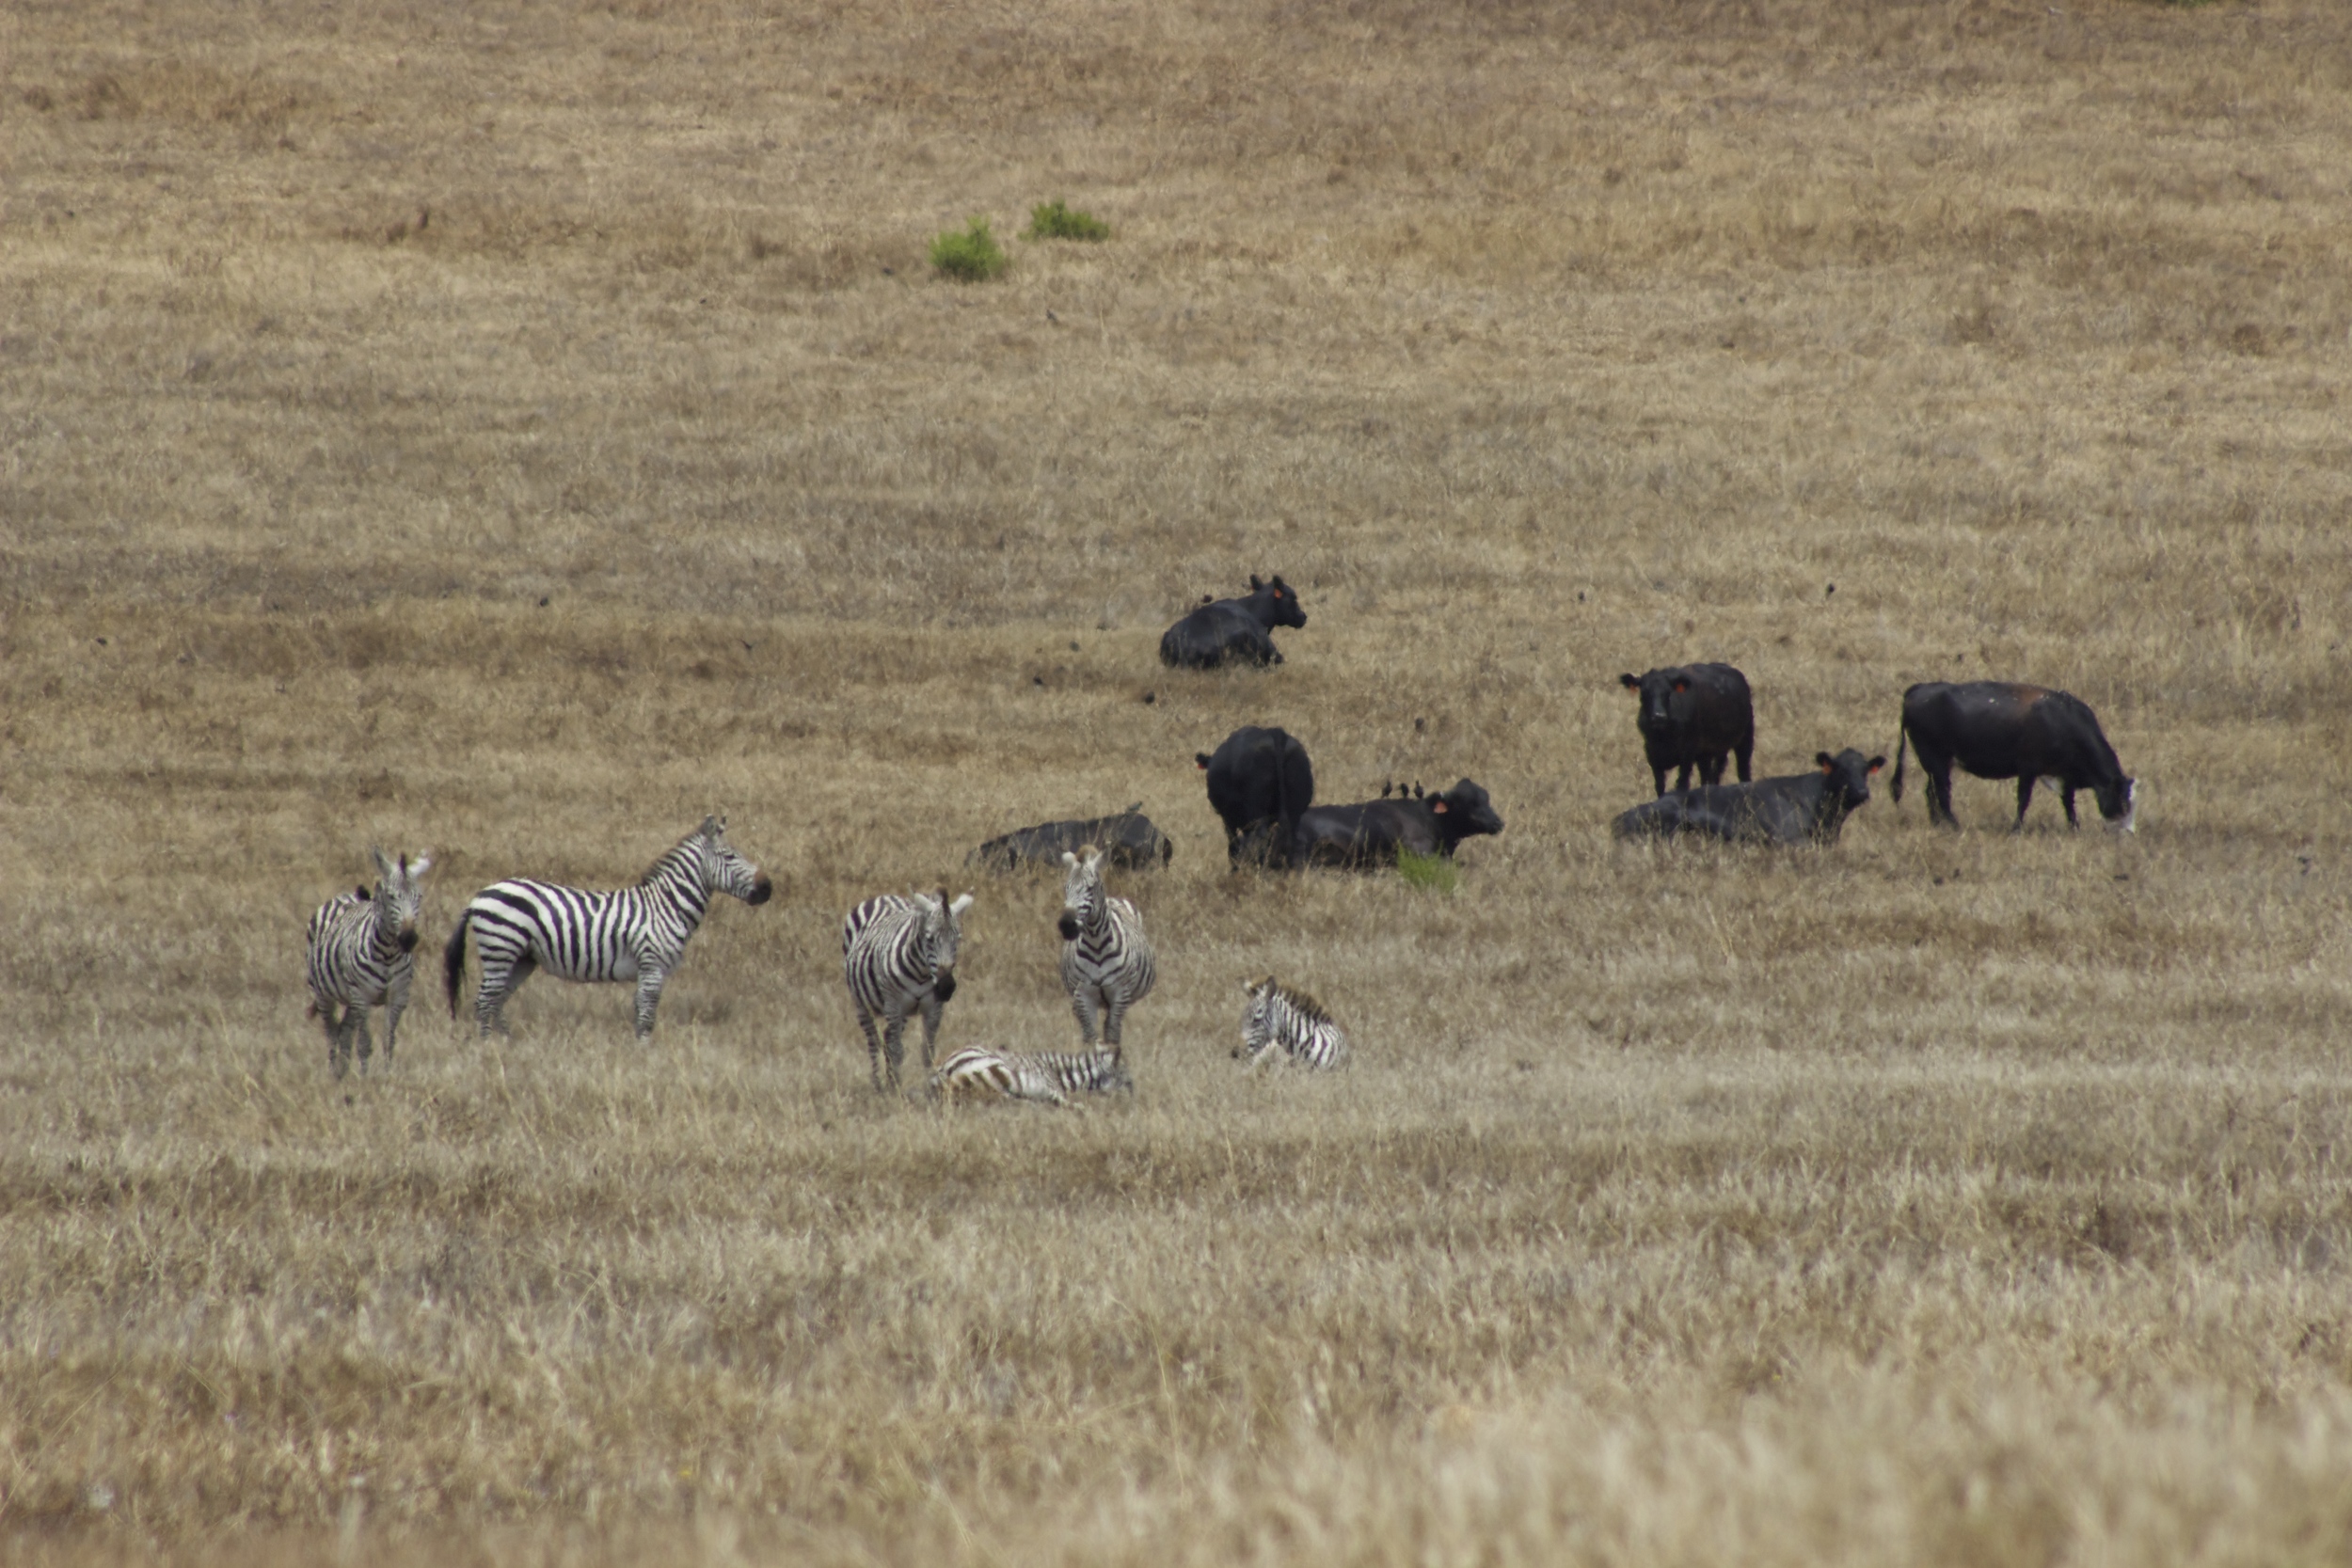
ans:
x=961 y=904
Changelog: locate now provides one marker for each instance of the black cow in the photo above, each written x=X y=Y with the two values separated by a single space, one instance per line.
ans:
x=1128 y=840
x=1769 y=811
x=1999 y=729
x=1693 y=713
x=1372 y=832
x=1259 y=780
x=1240 y=630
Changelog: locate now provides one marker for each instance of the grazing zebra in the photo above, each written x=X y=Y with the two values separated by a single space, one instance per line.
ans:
x=1106 y=959
x=984 y=1073
x=898 y=955
x=361 y=956
x=634 y=933
x=1293 y=1021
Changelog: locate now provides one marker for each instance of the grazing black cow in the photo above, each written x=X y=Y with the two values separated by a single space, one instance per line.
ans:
x=1128 y=840
x=1693 y=713
x=1785 y=810
x=1372 y=833
x=1237 y=630
x=2000 y=730
x=1259 y=780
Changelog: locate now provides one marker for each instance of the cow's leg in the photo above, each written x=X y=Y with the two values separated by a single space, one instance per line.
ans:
x=1741 y=754
x=1658 y=778
x=2024 y=794
x=1682 y=778
x=1711 y=768
x=1939 y=773
x=873 y=1044
x=2066 y=794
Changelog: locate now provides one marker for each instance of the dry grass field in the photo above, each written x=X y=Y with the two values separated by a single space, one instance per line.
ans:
x=516 y=429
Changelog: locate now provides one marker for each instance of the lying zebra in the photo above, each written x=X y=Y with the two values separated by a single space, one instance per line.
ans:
x=1047 y=1077
x=1291 y=1022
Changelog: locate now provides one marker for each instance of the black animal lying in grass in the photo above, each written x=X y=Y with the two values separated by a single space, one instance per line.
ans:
x=1233 y=631
x=1129 y=840
x=1371 y=834
x=1789 y=810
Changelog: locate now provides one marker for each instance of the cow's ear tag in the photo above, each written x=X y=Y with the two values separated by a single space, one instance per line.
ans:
x=1826 y=762
x=1437 y=807
x=1877 y=763
x=1682 y=686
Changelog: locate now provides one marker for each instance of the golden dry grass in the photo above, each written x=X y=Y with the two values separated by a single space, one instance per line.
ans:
x=517 y=430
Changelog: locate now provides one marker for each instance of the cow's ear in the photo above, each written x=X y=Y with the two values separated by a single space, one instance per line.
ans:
x=1876 y=764
x=1628 y=683
x=1254 y=583
x=1824 y=761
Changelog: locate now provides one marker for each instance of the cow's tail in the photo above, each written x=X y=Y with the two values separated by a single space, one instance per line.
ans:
x=453 y=962
x=1902 y=745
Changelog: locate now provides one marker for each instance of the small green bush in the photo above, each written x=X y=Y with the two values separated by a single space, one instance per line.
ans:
x=1434 y=872
x=1051 y=220
x=970 y=253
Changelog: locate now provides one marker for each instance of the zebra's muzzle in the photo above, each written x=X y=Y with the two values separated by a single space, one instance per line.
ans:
x=762 y=891
x=408 y=939
x=944 y=986
x=1068 y=925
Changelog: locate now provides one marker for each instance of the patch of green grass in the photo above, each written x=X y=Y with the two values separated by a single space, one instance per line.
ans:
x=1434 y=872
x=970 y=253
x=1051 y=220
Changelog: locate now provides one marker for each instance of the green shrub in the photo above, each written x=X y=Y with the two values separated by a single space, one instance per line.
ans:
x=970 y=253
x=1051 y=220
x=1434 y=872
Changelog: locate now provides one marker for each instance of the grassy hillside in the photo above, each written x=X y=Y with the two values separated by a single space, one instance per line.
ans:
x=515 y=430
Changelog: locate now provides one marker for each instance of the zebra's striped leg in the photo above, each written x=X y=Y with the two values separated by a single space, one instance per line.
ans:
x=395 y=1003
x=649 y=981
x=1082 y=1004
x=931 y=1027
x=331 y=1020
x=894 y=1045
x=499 y=982
x=1114 y=1013
x=873 y=1045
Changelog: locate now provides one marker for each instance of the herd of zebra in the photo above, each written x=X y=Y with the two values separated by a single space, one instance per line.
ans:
x=898 y=957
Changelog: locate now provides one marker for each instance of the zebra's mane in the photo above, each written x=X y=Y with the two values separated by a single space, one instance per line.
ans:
x=679 y=854
x=1302 y=1002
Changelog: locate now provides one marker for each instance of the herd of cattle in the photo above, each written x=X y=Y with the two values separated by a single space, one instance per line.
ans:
x=898 y=953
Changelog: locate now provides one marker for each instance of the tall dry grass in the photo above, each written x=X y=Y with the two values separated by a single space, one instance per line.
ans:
x=515 y=430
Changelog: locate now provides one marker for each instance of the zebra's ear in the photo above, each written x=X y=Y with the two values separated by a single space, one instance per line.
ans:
x=961 y=904
x=1069 y=857
x=383 y=865
x=712 y=826
x=419 y=866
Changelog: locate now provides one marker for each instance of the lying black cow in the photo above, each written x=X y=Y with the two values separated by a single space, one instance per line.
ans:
x=1128 y=840
x=1260 y=781
x=1240 y=631
x=1786 y=810
x=1372 y=832
x=1693 y=713
x=1998 y=729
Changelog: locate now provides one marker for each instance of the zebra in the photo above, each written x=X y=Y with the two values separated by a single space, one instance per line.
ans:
x=361 y=956
x=1292 y=1021
x=898 y=955
x=1105 y=958
x=634 y=933
x=980 y=1072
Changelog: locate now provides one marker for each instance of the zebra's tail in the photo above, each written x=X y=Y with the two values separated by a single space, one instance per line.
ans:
x=1902 y=746
x=453 y=962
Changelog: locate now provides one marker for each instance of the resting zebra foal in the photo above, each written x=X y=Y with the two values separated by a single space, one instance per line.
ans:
x=1291 y=1022
x=1106 y=959
x=633 y=933
x=899 y=954
x=361 y=956
x=1050 y=1077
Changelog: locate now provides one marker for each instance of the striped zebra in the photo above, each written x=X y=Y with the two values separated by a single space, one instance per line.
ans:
x=634 y=933
x=1105 y=958
x=1051 y=1077
x=1291 y=1022
x=899 y=954
x=362 y=956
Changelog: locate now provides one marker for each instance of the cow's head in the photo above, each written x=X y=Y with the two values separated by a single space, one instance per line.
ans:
x=943 y=935
x=1463 y=811
x=1849 y=776
x=399 y=894
x=1664 y=694
x=1082 y=892
x=1280 y=598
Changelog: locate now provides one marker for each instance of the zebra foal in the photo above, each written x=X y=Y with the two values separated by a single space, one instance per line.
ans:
x=898 y=955
x=633 y=933
x=361 y=956
x=1291 y=1024
x=1048 y=1077
x=1107 y=962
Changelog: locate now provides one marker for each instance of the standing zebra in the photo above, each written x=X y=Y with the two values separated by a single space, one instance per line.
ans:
x=898 y=955
x=981 y=1072
x=1292 y=1021
x=636 y=933
x=1106 y=959
x=361 y=956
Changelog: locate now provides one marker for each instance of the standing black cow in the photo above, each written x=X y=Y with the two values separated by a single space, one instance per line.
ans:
x=1239 y=630
x=1693 y=713
x=1129 y=840
x=1785 y=810
x=1371 y=834
x=1260 y=781
x=2000 y=730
